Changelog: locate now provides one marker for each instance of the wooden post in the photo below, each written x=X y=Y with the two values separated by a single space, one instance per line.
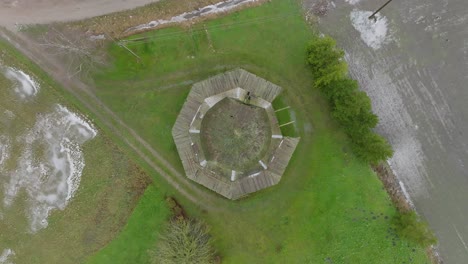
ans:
x=373 y=14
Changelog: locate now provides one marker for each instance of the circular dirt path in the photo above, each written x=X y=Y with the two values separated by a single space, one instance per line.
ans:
x=14 y=12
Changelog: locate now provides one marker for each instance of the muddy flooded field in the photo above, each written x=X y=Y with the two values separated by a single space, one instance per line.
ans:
x=41 y=159
x=65 y=189
x=413 y=62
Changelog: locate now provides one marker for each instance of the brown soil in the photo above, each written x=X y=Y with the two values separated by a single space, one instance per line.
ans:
x=178 y=212
x=235 y=135
x=116 y=24
x=391 y=184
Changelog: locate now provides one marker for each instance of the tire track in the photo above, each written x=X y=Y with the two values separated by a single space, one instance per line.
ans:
x=167 y=171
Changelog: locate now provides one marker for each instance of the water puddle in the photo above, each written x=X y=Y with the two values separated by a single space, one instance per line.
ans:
x=50 y=165
x=25 y=86
x=5 y=256
x=374 y=33
x=41 y=157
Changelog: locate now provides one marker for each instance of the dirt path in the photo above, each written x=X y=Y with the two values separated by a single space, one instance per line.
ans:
x=20 y=12
x=112 y=121
x=14 y=12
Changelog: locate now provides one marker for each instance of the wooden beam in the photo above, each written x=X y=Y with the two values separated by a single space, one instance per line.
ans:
x=287 y=123
x=281 y=109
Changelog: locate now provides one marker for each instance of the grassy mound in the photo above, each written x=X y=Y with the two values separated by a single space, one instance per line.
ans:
x=235 y=135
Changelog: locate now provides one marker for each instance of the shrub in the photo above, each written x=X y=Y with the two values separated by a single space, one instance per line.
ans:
x=372 y=148
x=409 y=226
x=350 y=106
x=337 y=89
x=171 y=202
x=184 y=242
x=326 y=61
x=354 y=112
x=177 y=210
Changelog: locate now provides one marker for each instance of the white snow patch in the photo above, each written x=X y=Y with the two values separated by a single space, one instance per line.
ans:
x=6 y=254
x=51 y=175
x=4 y=150
x=373 y=33
x=352 y=2
x=97 y=37
x=25 y=86
x=217 y=8
x=9 y=114
x=405 y=193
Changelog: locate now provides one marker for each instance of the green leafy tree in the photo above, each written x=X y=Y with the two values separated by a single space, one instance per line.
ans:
x=354 y=112
x=184 y=242
x=409 y=226
x=350 y=106
x=326 y=61
x=337 y=89
x=372 y=148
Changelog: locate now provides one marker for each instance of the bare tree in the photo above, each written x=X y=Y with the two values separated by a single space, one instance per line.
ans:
x=184 y=242
x=80 y=53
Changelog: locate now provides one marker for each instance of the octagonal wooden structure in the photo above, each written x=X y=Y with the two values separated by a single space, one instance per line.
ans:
x=249 y=89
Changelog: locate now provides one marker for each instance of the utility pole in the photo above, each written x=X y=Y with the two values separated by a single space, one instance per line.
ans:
x=373 y=14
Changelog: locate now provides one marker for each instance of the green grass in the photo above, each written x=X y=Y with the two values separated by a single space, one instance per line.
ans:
x=286 y=115
x=110 y=187
x=324 y=207
x=140 y=233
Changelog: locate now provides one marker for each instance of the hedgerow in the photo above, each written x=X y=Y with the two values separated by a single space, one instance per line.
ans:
x=350 y=107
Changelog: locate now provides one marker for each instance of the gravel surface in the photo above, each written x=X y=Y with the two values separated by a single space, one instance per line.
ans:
x=14 y=12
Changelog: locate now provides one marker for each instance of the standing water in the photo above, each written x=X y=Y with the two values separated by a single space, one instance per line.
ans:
x=40 y=156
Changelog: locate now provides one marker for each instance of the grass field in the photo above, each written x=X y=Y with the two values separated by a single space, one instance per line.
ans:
x=111 y=184
x=328 y=207
x=139 y=234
